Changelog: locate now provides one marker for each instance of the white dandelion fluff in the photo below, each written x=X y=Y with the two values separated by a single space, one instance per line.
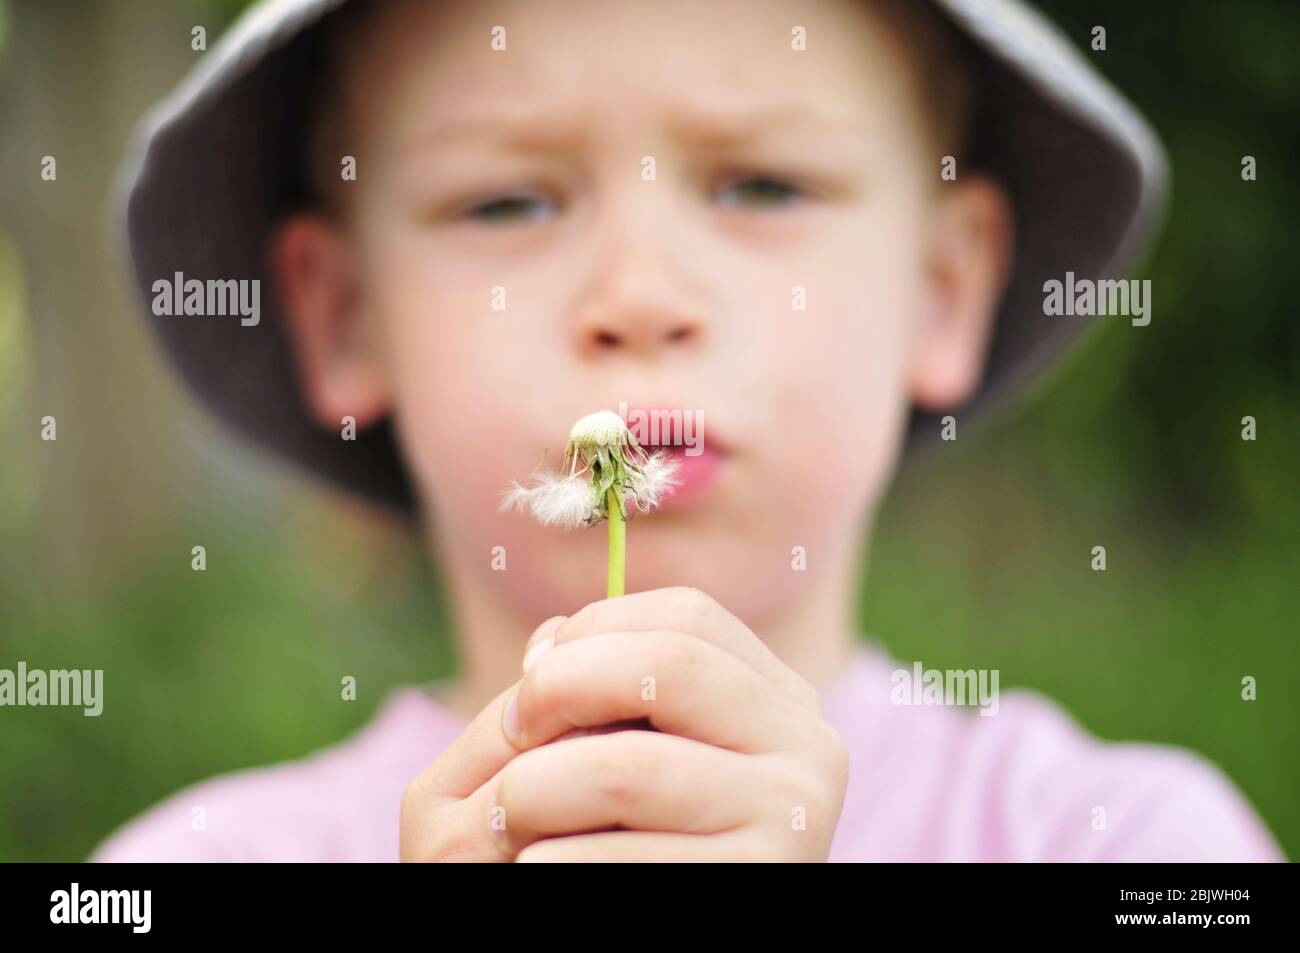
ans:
x=553 y=500
x=657 y=479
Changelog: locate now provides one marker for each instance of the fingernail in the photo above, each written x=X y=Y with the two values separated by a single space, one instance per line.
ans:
x=538 y=650
x=510 y=720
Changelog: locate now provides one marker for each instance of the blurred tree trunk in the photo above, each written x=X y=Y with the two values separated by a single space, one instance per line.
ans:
x=74 y=79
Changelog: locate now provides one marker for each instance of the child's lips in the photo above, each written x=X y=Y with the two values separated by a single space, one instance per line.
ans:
x=696 y=473
x=677 y=431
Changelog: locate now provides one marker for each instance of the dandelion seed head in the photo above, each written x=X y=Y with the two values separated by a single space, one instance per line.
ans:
x=602 y=458
x=604 y=428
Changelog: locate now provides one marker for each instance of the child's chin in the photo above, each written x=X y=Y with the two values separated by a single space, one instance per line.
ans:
x=742 y=587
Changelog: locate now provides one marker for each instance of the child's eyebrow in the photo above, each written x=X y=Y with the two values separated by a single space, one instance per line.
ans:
x=737 y=126
x=527 y=132
x=522 y=132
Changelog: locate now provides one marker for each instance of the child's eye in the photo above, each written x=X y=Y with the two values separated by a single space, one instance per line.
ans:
x=509 y=208
x=760 y=191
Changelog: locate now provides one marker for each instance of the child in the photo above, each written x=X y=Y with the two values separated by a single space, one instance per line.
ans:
x=793 y=222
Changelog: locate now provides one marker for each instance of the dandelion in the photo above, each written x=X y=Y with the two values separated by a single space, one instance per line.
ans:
x=609 y=476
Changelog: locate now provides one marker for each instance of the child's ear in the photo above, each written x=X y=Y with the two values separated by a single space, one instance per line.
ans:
x=969 y=263
x=340 y=367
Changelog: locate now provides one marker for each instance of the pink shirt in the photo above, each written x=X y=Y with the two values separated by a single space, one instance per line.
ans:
x=925 y=783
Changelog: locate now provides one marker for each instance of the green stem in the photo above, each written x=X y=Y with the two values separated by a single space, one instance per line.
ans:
x=617 y=544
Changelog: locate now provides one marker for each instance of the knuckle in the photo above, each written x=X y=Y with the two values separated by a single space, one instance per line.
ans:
x=695 y=611
x=818 y=779
x=512 y=778
x=807 y=694
x=518 y=787
x=444 y=847
x=415 y=802
x=834 y=755
x=422 y=838
x=409 y=798
x=512 y=784
x=801 y=786
x=625 y=774
x=832 y=780
x=807 y=793
x=581 y=623
x=693 y=602
x=677 y=656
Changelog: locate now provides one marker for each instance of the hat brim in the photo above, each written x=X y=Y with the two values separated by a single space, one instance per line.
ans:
x=215 y=167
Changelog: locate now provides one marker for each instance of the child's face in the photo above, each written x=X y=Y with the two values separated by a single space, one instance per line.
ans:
x=790 y=272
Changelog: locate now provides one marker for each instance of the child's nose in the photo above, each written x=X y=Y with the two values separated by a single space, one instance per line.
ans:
x=638 y=305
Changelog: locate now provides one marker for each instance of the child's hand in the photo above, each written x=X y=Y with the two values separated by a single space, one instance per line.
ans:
x=743 y=767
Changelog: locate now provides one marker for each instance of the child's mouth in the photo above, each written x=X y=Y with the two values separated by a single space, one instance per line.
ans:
x=678 y=432
x=698 y=468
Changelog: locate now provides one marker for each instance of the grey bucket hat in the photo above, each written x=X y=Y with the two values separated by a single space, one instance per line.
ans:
x=214 y=167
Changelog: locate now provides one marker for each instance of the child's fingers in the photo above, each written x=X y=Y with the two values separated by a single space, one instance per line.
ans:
x=635 y=779
x=480 y=750
x=475 y=755
x=440 y=828
x=640 y=847
x=446 y=812
x=682 y=684
x=685 y=610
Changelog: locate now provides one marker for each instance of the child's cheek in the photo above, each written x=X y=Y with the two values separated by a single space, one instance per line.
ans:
x=842 y=406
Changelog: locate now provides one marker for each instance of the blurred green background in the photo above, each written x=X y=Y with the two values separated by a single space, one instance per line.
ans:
x=1134 y=444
